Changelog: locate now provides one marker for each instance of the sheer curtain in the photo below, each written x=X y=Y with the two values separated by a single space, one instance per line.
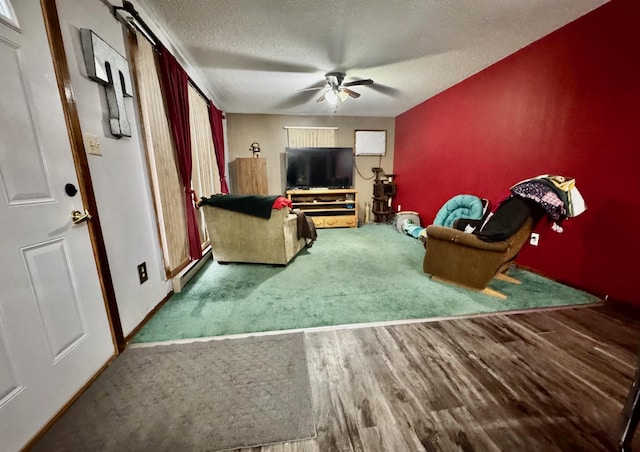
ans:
x=171 y=197
x=205 y=168
x=168 y=193
x=306 y=137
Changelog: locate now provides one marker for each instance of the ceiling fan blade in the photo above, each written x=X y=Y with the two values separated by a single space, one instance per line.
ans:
x=351 y=93
x=321 y=98
x=313 y=88
x=297 y=99
x=359 y=82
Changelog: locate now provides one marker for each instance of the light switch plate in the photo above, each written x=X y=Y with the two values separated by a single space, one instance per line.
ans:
x=92 y=144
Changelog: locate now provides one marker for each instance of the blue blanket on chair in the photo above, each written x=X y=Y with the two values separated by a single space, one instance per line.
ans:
x=460 y=206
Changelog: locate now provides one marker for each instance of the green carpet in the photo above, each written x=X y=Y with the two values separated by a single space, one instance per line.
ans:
x=368 y=274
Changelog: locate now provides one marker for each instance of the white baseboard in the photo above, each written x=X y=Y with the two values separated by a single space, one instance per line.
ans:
x=182 y=278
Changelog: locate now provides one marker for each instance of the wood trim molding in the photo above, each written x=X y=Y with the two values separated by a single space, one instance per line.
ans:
x=32 y=442
x=148 y=316
x=72 y=119
x=181 y=266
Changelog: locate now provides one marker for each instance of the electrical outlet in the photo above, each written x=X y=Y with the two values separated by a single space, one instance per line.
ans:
x=142 y=272
x=535 y=238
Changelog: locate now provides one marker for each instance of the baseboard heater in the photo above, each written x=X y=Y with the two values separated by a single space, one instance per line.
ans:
x=182 y=278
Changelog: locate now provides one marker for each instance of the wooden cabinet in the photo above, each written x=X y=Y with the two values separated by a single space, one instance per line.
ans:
x=336 y=208
x=250 y=176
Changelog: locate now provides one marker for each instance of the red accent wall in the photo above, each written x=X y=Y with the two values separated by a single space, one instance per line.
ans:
x=568 y=104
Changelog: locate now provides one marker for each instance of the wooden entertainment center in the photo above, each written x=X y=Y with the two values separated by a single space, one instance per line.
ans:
x=329 y=208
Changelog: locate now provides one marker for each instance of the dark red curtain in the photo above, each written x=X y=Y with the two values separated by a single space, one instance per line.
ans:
x=215 y=118
x=174 y=81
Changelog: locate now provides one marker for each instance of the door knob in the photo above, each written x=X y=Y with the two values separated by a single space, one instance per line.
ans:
x=78 y=217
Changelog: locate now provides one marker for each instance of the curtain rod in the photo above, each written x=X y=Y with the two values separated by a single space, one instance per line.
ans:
x=136 y=21
x=304 y=127
x=198 y=90
x=139 y=24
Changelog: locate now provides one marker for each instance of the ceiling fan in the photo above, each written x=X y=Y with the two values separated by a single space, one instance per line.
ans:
x=336 y=89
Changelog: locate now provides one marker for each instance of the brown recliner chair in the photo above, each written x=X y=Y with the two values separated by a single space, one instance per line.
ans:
x=473 y=259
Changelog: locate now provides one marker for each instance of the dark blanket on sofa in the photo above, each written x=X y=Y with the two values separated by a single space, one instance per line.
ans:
x=306 y=228
x=256 y=205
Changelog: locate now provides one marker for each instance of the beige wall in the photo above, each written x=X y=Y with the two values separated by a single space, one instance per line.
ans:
x=268 y=130
x=119 y=176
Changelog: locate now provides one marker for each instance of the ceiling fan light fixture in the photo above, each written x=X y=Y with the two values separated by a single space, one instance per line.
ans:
x=335 y=90
x=332 y=97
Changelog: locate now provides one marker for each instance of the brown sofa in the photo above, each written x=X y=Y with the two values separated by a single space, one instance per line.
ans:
x=239 y=237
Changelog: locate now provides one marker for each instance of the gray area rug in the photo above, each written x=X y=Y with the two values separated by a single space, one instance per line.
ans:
x=202 y=396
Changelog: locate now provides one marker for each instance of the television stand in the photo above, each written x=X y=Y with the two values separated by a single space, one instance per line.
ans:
x=328 y=208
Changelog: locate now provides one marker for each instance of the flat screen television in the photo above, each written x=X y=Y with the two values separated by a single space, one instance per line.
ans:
x=319 y=167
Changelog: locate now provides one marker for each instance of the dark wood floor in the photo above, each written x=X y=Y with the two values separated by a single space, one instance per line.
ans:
x=540 y=381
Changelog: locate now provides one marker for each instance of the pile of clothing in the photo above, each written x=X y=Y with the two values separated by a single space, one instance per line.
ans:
x=557 y=195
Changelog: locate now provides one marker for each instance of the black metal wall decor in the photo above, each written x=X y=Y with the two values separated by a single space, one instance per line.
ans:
x=110 y=69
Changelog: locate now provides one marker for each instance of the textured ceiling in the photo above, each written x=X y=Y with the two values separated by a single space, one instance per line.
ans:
x=257 y=54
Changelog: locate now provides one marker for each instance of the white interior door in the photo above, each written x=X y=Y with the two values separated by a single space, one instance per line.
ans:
x=54 y=330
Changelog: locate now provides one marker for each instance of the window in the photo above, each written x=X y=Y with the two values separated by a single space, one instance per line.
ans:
x=204 y=173
x=167 y=188
x=311 y=137
x=166 y=184
x=7 y=13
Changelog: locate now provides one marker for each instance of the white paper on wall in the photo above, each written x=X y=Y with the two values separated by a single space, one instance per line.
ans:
x=371 y=142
